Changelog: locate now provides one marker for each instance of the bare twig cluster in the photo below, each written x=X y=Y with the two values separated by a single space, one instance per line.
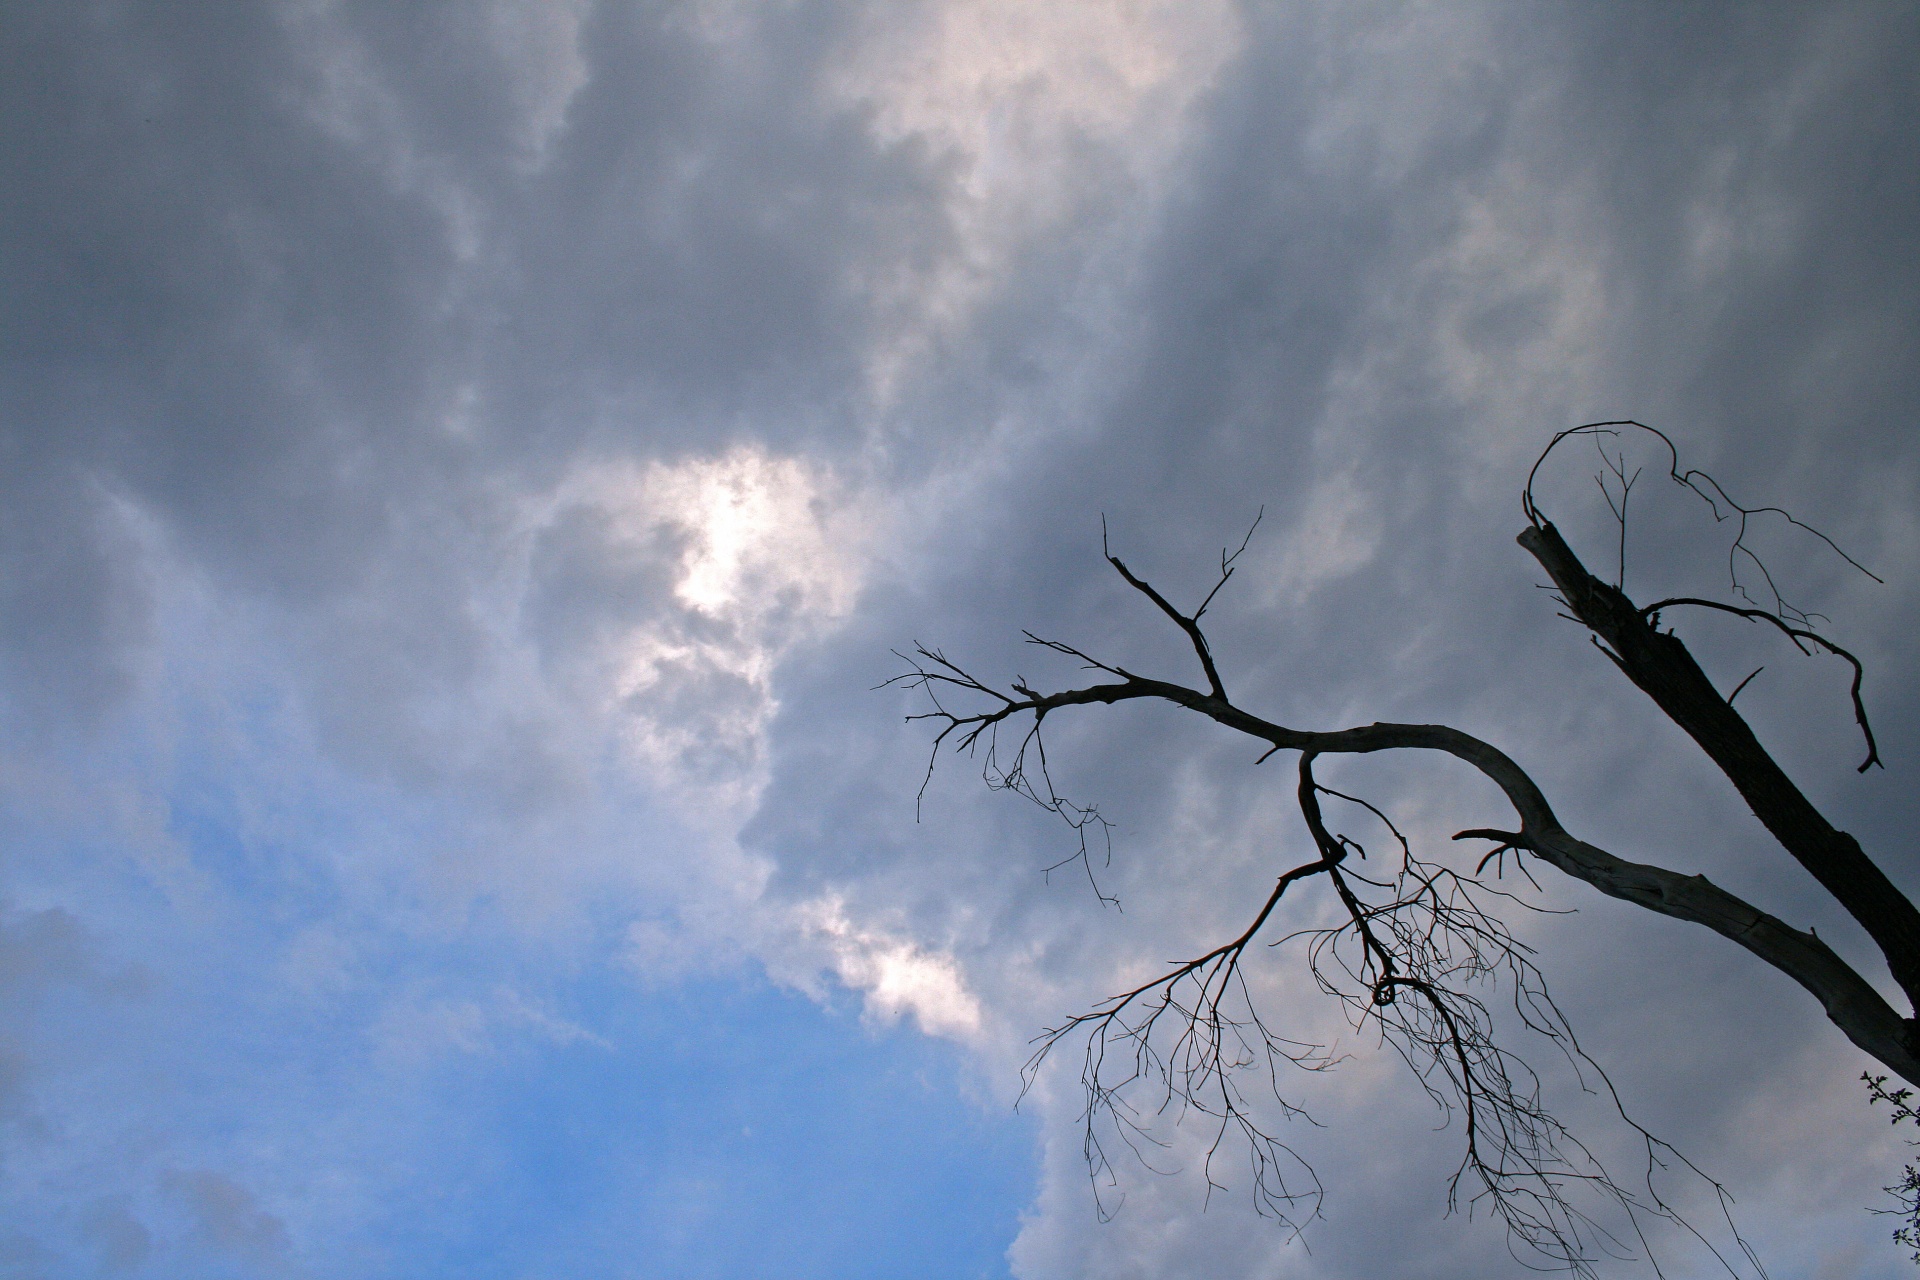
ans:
x=1710 y=491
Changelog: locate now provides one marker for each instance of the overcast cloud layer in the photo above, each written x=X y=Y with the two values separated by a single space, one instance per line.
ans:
x=464 y=468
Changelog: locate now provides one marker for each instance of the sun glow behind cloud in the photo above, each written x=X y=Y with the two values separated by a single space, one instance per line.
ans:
x=759 y=553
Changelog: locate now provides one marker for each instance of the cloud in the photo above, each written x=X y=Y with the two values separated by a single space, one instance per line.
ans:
x=465 y=471
x=1041 y=114
x=895 y=974
x=418 y=1028
x=689 y=581
x=230 y=1220
x=1334 y=536
x=123 y=1241
x=539 y=44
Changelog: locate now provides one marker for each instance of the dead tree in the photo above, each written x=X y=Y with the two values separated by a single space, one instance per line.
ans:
x=1419 y=950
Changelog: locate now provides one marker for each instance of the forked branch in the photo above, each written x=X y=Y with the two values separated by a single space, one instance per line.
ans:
x=1801 y=638
x=1187 y=623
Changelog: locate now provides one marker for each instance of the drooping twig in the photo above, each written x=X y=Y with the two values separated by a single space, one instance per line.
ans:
x=1801 y=638
x=1710 y=491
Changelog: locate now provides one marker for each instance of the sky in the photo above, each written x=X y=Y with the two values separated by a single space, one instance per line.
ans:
x=466 y=470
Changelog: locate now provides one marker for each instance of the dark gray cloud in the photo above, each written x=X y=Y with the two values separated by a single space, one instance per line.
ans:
x=536 y=425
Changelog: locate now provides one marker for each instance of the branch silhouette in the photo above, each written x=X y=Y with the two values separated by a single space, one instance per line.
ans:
x=1418 y=948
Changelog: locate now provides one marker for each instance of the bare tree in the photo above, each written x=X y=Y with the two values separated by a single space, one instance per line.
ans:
x=1420 y=949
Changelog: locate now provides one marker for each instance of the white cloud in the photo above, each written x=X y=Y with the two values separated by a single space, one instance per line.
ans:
x=897 y=975
x=1044 y=113
x=757 y=552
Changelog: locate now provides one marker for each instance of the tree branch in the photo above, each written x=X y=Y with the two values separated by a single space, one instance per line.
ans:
x=1801 y=637
x=1190 y=625
x=1659 y=663
x=1425 y=930
x=1849 y=999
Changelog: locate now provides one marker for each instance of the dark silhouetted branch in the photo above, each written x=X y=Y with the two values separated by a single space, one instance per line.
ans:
x=1415 y=945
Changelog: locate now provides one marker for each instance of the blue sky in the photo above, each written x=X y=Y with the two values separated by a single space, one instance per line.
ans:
x=450 y=1106
x=466 y=471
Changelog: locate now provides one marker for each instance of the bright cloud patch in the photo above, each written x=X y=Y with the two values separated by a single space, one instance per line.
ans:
x=692 y=579
x=897 y=975
x=1042 y=110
